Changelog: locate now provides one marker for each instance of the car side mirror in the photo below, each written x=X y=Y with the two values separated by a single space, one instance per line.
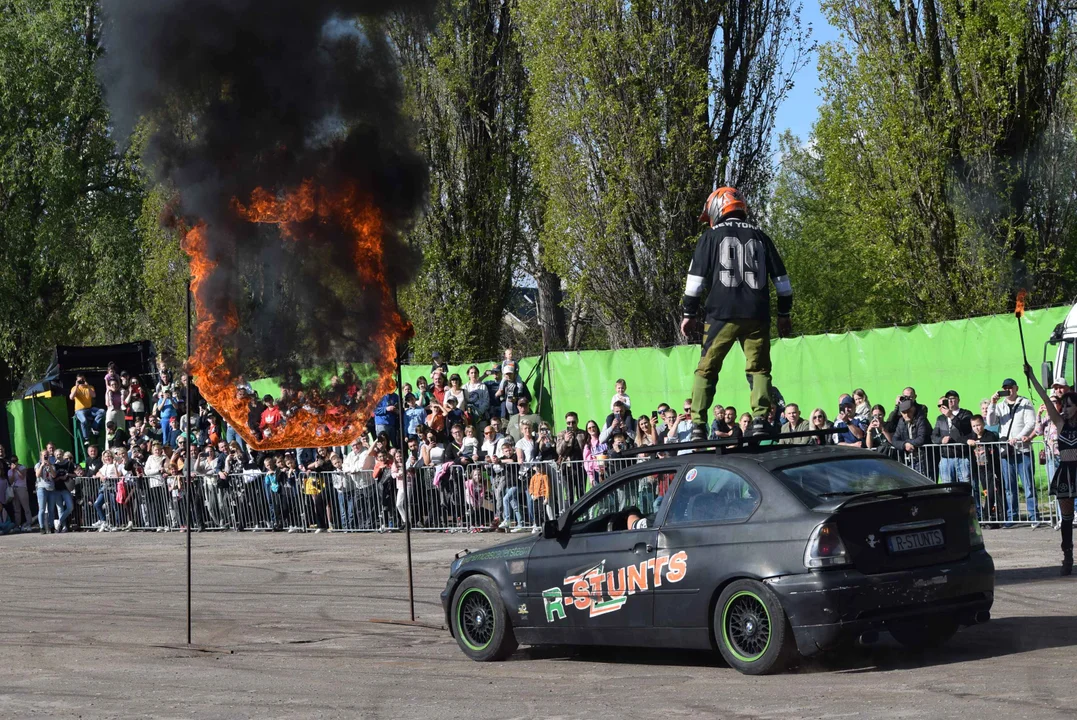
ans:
x=549 y=529
x=1047 y=372
x=563 y=522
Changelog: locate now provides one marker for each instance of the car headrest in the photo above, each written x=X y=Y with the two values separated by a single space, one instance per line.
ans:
x=705 y=506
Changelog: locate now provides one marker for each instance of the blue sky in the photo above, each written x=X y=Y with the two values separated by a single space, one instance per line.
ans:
x=801 y=106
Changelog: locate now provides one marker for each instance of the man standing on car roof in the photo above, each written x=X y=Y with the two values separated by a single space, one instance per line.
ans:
x=733 y=259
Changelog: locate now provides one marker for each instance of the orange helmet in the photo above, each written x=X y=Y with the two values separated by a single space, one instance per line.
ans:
x=721 y=202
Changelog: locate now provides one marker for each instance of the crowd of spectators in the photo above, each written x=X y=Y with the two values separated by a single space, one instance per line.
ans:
x=474 y=454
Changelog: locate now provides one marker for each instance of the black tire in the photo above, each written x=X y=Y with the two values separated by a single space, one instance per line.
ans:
x=923 y=633
x=481 y=622
x=751 y=629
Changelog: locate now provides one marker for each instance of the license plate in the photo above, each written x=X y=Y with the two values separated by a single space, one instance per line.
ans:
x=919 y=540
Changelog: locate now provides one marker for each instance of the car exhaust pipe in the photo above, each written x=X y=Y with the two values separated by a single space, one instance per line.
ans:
x=983 y=616
x=867 y=638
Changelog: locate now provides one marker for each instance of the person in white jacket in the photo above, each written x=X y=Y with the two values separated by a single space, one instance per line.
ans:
x=1016 y=419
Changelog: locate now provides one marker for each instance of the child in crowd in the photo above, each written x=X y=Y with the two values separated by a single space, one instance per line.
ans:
x=470 y=446
x=474 y=490
x=414 y=416
x=620 y=393
x=454 y=415
x=436 y=419
x=272 y=492
x=508 y=364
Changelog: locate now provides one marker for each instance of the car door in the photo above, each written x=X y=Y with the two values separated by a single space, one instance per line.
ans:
x=707 y=533
x=597 y=577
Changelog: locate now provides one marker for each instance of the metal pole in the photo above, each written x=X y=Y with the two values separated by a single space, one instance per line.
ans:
x=407 y=493
x=187 y=465
x=37 y=429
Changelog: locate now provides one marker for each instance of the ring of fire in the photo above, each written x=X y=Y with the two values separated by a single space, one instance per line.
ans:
x=318 y=423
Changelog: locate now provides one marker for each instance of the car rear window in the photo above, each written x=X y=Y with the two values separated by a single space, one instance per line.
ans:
x=820 y=482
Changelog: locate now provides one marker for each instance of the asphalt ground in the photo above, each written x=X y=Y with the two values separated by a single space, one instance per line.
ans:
x=94 y=626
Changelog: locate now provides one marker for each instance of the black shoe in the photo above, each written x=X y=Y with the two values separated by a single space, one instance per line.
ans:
x=759 y=426
x=1067 y=562
x=699 y=432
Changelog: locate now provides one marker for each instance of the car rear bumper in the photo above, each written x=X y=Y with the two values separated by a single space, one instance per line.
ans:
x=829 y=607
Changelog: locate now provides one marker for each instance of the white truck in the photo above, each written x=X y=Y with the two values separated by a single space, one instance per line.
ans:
x=1063 y=368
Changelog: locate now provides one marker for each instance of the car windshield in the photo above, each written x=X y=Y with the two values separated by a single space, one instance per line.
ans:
x=817 y=482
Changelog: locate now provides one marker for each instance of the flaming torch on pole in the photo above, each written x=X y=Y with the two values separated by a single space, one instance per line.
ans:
x=1019 y=313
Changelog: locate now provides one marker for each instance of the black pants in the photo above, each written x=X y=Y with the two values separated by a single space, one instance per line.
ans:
x=316 y=507
x=367 y=501
x=158 y=502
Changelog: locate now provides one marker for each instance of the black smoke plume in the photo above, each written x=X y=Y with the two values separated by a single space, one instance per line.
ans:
x=240 y=94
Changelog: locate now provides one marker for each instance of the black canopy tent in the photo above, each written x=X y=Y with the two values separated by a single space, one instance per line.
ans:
x=137 y=358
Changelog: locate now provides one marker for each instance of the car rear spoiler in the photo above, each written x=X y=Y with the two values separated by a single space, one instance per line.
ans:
x=748 y=443
x=902 y=493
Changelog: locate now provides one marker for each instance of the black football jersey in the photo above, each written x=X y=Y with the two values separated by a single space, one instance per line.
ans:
x=733 y=261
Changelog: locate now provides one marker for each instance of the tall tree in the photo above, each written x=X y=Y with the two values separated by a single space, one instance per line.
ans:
x=640 y=108
x=943 y=155
x=70 y=263
x=468 y=95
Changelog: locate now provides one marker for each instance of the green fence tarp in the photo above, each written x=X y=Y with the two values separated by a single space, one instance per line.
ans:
x=970 y=356
x=53 y=425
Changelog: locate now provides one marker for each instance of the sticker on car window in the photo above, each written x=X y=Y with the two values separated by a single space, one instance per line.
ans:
x=691 y=475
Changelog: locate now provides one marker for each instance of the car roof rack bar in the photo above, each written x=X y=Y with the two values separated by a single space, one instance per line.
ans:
x=727 y=444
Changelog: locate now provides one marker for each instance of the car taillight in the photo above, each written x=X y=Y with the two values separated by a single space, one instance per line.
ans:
x=825 y=548
x=976 y=535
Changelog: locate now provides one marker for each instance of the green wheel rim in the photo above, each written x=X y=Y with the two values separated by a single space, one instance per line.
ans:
x=476 y=619
x=746 y=627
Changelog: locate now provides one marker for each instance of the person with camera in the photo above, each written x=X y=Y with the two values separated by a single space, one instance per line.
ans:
x=645 y=432
x=89 y=417
x=570 y=444
x=952 y=428
x=166 y=409
x=731 y=264
x=911 y=434
x=851 y=431
x=908 y=393
x=1016 y=419
x=874 y=439
x=63 y=497
x=45 y=486
x=620 y=419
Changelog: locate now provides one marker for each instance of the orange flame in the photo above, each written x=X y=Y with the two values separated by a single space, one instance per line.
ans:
x=1019 y=311
x=316 y=423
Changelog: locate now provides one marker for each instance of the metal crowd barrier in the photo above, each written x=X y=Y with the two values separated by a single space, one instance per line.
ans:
x=452 y=497
x=1009 y=484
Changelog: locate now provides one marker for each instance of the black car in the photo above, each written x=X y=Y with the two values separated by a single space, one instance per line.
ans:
x=758 y=554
